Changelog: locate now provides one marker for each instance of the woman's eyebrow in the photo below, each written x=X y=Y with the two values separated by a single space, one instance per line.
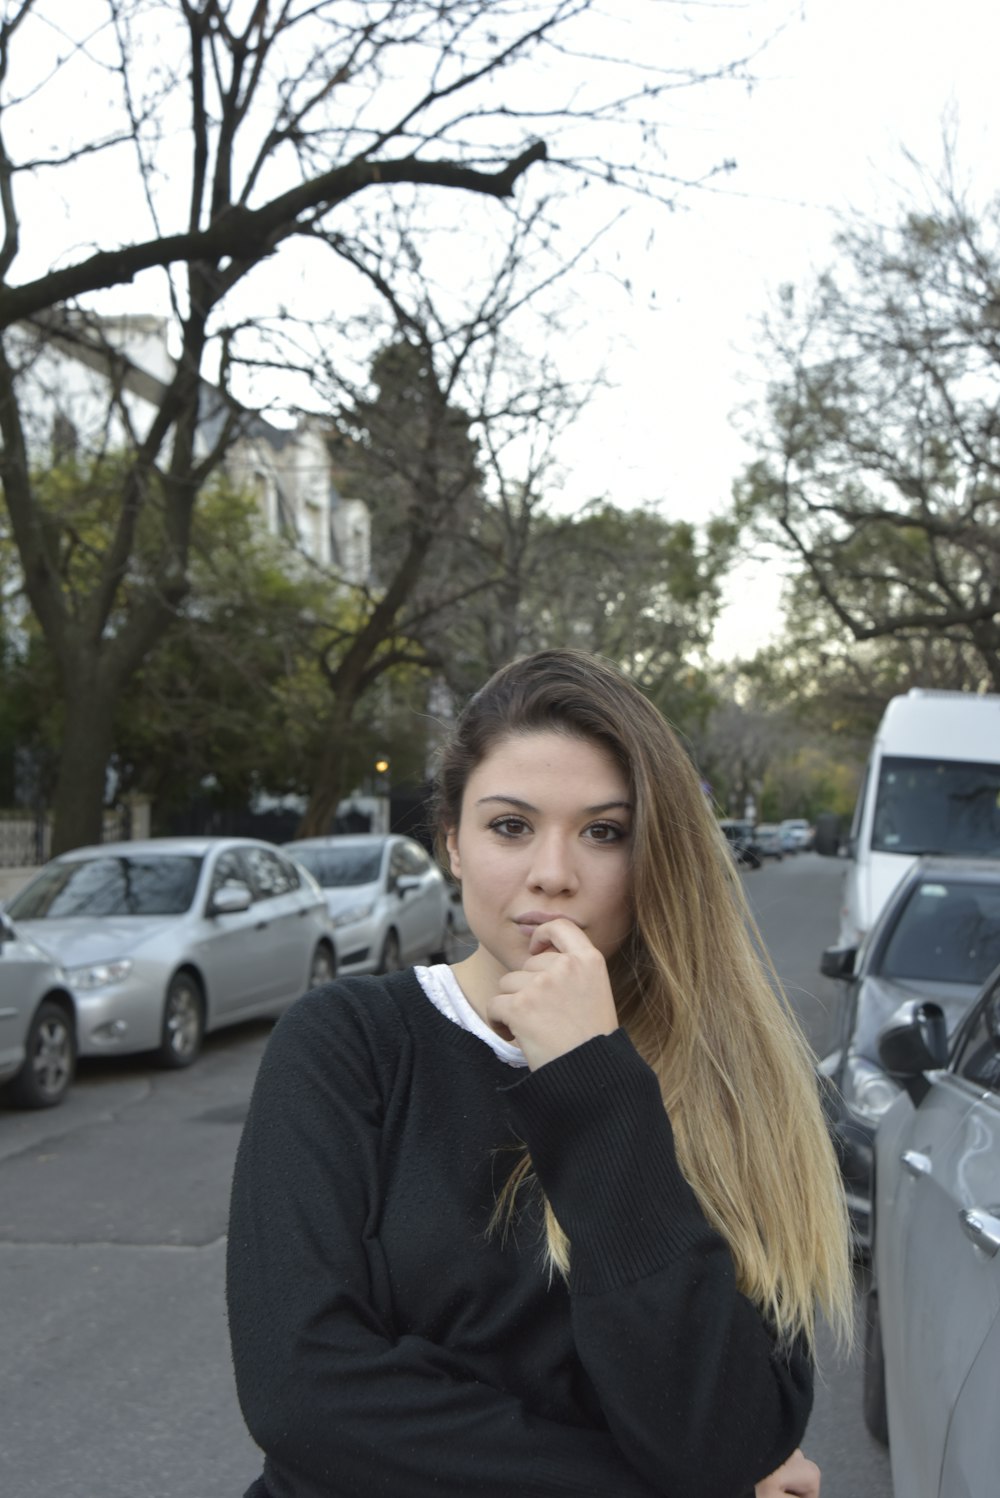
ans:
x=589 y=811
x=508 y=801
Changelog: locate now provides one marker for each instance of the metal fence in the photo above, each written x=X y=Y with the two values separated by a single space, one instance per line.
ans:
x=26 y=836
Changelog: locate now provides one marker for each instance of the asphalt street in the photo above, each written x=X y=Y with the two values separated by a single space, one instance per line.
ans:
x=115 y=1379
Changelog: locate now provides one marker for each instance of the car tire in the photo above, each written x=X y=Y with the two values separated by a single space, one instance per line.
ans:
x=874 y=1403
x=49 y=1061
x=390 y=960
x=323 y=968
x=448 y=950
x=183 y=1028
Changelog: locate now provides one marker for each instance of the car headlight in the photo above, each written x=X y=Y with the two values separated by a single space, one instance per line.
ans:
x=99 y=974
x=352 y=914
x=868 y=1092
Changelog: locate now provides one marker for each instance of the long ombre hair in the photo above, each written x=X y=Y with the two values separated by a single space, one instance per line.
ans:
x=696 y=994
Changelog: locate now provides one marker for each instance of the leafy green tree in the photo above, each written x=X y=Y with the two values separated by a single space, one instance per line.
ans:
x=231 y=695
x=627 y=584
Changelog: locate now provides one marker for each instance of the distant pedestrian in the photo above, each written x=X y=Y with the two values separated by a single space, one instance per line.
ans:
x=555 y=1220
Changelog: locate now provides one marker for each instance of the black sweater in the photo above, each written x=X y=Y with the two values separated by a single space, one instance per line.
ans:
x=385 y=1343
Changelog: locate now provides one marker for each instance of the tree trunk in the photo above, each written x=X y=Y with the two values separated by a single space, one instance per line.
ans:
x=88 y=737
x=328 y=786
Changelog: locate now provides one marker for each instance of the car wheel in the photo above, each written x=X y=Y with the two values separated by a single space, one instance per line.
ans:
x=49 y=1062
x=323 y=968
x=183 y=1022
x=448 y=950
x=876 y=1417
x=390 y=961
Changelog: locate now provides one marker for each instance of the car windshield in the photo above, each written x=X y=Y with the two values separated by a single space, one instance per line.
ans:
x=948 y=931
x=134 y=884
x=336 y=868
x=937 y=806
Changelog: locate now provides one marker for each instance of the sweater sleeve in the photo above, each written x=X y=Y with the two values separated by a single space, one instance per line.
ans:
x=693 y=1387
x=337 y=1402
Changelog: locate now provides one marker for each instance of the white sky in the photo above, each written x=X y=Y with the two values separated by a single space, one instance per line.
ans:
x=845 y=86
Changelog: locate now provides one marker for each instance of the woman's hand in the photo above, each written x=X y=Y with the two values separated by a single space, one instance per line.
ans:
x=560 y=998
x=798 y=1476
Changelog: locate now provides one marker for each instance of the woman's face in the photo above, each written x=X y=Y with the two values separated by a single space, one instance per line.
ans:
x=545 y=830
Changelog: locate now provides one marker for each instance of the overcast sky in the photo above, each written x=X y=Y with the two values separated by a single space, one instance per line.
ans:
x=844 y=88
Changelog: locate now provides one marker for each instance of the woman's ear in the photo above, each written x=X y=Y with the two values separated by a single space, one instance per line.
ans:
x=454 y=862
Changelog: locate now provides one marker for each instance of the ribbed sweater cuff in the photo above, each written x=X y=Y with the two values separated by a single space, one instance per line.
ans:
x=603 y=1149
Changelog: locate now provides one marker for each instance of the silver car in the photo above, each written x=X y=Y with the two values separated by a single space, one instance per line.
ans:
x=937 y=938
x=388 y=900
x=932 y=1345
x=37 y=1024
x=165 y=939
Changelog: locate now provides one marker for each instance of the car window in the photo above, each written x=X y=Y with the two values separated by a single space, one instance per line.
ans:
x=230 y=869
x=948 y=930
x=136 y=884
x=270 y=875
x=292 y=874
x=414 y=859
x=338 y=868
x=977 y=1057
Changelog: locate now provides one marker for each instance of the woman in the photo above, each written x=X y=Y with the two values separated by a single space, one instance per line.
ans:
x=555 y=1220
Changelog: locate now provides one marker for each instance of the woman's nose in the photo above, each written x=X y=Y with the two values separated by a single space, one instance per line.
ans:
x=553 y=868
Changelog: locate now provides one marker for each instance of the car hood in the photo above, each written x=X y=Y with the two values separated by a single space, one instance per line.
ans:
x=879 y=998
x=78 y=940
x=345 y=896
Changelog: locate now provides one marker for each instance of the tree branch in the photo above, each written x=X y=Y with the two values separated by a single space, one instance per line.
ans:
x=248 y=235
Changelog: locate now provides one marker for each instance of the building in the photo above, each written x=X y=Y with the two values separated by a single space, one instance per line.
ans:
x=98 y=382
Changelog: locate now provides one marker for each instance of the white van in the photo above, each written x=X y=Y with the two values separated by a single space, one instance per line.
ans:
x=932 y=786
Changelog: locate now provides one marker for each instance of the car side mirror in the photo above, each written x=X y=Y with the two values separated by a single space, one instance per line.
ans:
x=838 y=962
x=6 y=930
x=405 y=883
x=230 y=899
x=914 y=1042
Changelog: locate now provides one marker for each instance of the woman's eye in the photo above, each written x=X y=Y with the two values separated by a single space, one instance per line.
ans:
x=509 y=826
x=605 y=832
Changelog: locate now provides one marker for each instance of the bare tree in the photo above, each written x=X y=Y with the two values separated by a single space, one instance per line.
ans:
x=880 y=445
x=195 y=141
x=420 y=440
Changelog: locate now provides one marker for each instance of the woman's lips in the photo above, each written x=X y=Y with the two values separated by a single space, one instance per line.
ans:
x=529 y=919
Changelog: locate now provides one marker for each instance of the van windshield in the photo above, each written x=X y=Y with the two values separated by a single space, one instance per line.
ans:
x=937 y=806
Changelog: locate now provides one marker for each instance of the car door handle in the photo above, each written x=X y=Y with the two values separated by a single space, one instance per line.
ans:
x=982 y=1226
x=262 y=925
x=915 y=1163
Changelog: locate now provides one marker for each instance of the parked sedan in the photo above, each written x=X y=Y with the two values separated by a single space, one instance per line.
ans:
x=165 y=939
x=796 y=835
x=937 y=938
x=740 y=837
x=767 y=836
x=932 y=1342
x=37 y=1024
x=389 y=902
